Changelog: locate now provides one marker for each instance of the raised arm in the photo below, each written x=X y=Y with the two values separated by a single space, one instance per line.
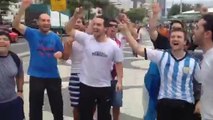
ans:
x=17 y=21
x=153 y=21
x=69 y=28
x=124 y=19
x=131 y=40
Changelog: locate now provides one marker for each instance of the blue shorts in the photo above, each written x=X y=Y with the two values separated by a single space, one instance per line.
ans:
x=117 y=96
x=74 y=89
x=12 y=110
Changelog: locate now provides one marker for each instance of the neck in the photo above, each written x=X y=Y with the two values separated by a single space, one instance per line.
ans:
x=44 y=32
x=101 y=38
x=3 y=54
x=178 y=54
x=207 y=46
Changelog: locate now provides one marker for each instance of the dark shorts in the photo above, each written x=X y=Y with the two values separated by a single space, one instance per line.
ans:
x=12 y=110
x=74 y=89
x=117 y=96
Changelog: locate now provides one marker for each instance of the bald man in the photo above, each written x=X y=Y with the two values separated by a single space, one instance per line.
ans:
x=45 y=48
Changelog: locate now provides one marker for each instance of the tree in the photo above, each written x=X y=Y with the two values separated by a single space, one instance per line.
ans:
x=4 y=4
x=175 y=9
x=136 y=14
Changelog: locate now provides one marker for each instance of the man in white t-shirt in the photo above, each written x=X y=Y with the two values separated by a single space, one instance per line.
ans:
x=203 y=36
x=95 y=75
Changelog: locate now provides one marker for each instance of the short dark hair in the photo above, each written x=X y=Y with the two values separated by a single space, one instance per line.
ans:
x=106 y=20
x=177 y=21
x=5 y=34
x=208 y=26
x=180 y=30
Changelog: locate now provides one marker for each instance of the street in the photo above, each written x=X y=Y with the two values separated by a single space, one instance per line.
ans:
x=134 y=71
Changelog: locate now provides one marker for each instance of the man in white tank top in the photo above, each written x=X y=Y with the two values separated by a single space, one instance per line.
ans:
x=76 y=58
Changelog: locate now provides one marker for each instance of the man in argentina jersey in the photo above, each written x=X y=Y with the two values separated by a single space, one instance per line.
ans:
x=177 y=69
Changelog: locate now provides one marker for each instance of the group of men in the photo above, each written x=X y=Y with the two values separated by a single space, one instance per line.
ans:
x=170 y=78
x=97 y=69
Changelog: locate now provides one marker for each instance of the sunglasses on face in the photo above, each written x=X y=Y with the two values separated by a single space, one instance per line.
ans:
x=176 y=28
x=113 y=25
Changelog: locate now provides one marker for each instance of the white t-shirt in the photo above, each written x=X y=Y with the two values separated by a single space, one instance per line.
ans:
x=122 y=39
x=206 y=79
x=77 y=57
x=98 y=58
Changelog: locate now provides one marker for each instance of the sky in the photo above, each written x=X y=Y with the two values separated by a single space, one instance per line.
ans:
x=126 y=4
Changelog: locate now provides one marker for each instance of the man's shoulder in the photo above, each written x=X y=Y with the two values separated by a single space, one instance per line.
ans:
x=112 y=42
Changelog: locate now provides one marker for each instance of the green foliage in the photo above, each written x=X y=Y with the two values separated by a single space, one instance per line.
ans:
x=5 y=3
x=136 y=14
x=175 y=9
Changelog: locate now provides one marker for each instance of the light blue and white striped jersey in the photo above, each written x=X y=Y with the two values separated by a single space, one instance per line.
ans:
x=176 y=75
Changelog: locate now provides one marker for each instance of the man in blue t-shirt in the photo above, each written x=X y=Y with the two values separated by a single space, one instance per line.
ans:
x=45 y=48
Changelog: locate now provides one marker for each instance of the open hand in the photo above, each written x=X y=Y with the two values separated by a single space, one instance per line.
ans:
x=197 y=107
x=79 y=12
x=156 y=8
x=26 y=3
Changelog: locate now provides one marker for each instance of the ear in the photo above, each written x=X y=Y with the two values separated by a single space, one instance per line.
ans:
x=208 y=34
x=37 y=21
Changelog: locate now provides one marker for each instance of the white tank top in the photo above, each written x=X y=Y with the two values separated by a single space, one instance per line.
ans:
x=77 y=57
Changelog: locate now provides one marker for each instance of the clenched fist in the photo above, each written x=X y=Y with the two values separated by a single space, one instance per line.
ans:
x=58 y=55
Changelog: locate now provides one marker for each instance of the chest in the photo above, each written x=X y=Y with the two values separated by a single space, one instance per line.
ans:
x=8 y=68
x=101 y=51
x=184 y=67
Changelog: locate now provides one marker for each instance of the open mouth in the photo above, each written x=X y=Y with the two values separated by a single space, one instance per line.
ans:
x=95 y=30
x=175 y=44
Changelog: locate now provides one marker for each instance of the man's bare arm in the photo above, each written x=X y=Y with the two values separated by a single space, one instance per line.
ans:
x=119 y=71
x=153 y=21
x=132 y=42
x=69 y=28
x=17 y=21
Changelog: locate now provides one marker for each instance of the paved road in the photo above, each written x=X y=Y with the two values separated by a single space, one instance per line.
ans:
x=134 y=71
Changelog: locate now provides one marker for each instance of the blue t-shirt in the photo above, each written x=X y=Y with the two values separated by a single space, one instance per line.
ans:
x=43 y=64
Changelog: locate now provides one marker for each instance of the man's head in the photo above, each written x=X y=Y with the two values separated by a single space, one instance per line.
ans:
x=178 y=39
x=44 y=23
x=203 y=32
x=99 y=26
x=112 y=28
x=176 y=24
x=80 y=24
x=4 y=42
